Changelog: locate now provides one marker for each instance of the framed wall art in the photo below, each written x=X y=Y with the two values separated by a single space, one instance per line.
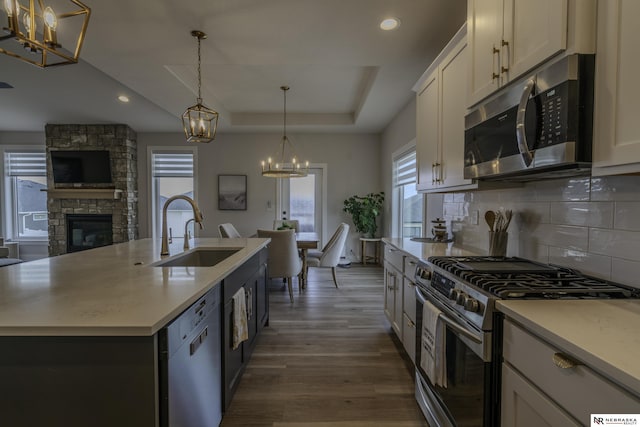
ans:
x=232 y=192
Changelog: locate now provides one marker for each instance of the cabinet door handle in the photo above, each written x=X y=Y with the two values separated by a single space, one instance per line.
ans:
x=504 y=43
x=563 y=361
x=504 y=69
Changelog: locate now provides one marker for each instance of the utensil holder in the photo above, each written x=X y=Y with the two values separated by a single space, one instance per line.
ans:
x=498 y=243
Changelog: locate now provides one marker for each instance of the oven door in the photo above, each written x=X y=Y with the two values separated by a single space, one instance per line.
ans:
x=467 y=399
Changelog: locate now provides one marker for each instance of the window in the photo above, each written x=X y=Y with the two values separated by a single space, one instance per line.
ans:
x=172 y=174
x=408 y=204
x=25 y=205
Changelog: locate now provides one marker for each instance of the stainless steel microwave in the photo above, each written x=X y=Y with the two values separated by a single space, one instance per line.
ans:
x=539 y=127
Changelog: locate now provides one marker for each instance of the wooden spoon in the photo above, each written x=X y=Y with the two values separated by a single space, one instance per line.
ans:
x=490 y=217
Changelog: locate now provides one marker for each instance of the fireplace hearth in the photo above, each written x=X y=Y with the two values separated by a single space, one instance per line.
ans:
x=88 y=231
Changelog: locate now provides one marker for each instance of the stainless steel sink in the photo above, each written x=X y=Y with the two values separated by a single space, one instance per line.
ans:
x=198 y=257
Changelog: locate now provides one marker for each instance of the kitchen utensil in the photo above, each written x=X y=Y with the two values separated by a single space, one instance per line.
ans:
x=508 y=214
x=490 y=217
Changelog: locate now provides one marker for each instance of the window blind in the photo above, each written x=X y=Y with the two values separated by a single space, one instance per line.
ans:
x=172 y=165
x=26 y=164
x=405 y=169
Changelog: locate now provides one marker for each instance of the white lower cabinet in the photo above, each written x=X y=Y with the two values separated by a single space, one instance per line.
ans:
x=400 y=296
x=544 y=385
x=393 y=265
x=524 y=405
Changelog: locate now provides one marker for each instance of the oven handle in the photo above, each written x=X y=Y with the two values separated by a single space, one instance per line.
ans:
x=523 y=147
x=451 y=323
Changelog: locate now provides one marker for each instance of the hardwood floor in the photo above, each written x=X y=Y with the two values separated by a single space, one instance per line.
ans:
x=329 y=359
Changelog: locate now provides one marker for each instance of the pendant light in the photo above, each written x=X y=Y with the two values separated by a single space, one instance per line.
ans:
x=34 y=26
x=285 y=164
x=199 y=121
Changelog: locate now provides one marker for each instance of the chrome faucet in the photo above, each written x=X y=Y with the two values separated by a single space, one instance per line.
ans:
x=186 y=234
x=197 y=217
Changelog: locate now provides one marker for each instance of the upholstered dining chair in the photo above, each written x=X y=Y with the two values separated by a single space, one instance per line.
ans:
x=329 y=256
x=283 y=256
x=280 y=224
x=228 y=230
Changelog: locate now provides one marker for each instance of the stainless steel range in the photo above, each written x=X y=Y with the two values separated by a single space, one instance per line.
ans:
x=463 y=291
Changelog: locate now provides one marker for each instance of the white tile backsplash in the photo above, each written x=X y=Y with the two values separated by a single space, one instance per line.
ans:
x=588 y=214
x=627 y=216
x=590 y=224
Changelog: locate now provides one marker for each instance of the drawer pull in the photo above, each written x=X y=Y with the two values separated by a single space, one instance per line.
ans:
x=563 y=361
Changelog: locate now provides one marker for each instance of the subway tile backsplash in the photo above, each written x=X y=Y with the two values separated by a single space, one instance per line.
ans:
x=590 y=224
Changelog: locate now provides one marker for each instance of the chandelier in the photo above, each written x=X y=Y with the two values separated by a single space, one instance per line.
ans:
x=35 y=26
x=197 y=120
x=286 y=164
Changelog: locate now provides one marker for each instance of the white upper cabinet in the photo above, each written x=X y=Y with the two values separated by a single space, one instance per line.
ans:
x=507 y=38
x=616 y=142
x=440 y=110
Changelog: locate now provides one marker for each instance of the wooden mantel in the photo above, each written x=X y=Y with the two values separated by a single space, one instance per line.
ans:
x=84 y=193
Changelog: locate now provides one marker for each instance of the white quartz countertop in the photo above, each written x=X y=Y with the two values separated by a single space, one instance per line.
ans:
x=422 y=251
x=109 y=291
x=603 y=334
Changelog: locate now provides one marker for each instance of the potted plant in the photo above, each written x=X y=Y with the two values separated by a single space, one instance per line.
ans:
x=364 y=211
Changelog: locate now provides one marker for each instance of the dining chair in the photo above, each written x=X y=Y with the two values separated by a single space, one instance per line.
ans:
x=284 y=260
x=280 y=224
x=329 y=256
x=228 y=230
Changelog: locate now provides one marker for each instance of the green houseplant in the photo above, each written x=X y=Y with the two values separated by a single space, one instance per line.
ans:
x=364 y=211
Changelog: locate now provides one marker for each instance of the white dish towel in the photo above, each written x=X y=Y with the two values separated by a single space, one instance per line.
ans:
x=432 y=356
x=240 y=328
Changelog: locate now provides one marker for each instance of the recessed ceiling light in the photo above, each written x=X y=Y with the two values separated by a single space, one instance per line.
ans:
x=389 y=24
x=123 y=98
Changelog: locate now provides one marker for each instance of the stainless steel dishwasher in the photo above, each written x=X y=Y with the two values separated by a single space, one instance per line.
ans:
x=191 y=367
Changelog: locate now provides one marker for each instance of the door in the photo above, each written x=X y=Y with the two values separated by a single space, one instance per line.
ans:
x=534 y=32
x=427 y=133
x=304 y=199
x=484 y=26
x=616 y=141
x=453 y=72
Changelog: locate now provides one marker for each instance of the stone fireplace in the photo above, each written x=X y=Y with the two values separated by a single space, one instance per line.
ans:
x=92 y=206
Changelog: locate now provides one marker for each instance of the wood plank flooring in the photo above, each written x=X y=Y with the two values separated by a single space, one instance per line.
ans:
x=329 y=359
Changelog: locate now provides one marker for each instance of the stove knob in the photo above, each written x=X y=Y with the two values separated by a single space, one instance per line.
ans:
x=425 y=274
x=453 y=294
x=471 y=304
x=461 y=298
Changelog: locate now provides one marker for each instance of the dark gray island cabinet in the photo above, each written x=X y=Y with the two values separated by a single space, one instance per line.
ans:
x=182 y=374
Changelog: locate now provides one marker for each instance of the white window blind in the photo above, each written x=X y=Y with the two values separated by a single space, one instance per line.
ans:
x=172 y=165
x=405 y=169
x=26 y=164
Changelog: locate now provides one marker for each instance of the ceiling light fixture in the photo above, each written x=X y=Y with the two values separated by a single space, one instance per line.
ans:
x=123 y=98
x=389 y=24
x=284 y=168
x=199 y=121
x=35 y=26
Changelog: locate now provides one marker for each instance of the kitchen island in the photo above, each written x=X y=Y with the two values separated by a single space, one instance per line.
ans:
x=81 y=334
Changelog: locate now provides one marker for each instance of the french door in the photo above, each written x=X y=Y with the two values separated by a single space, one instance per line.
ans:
x=304 y=199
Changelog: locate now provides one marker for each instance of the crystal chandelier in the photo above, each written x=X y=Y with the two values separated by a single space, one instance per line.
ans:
x=34 y=27
x=286 y=164
x=199 y=121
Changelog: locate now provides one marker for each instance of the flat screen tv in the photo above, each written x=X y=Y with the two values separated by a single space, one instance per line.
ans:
x=81 y=167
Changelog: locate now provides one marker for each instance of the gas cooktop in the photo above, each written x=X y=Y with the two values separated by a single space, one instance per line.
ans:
x=518 y=278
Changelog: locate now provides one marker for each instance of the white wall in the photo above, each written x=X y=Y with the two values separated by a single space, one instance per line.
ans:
x=352 y=161
x=400 y=131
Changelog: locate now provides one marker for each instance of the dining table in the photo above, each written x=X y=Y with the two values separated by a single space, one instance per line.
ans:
x=306 y=240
